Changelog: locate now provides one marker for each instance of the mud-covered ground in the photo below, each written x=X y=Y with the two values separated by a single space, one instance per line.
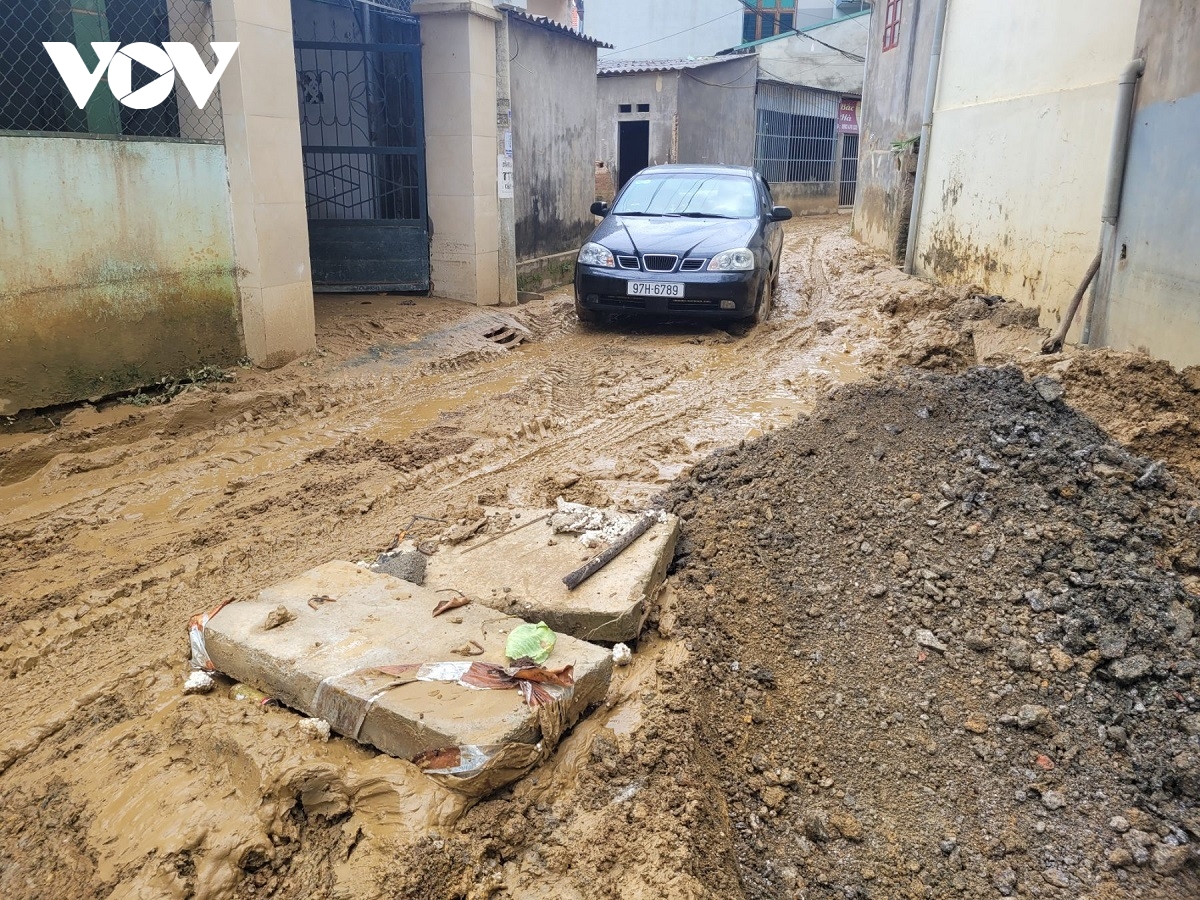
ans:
x=804 y=770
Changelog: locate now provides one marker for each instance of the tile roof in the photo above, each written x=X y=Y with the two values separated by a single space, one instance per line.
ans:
x=630 y=66
x=552 y=26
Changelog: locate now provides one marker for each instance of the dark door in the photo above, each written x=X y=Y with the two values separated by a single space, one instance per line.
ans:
x=363 y=135
x=849 y=170
x=633 y=149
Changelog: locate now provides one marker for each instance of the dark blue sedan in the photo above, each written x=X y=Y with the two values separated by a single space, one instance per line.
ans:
x=684 y=241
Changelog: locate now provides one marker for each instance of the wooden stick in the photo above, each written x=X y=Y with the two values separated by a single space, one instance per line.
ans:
x=596 y=563
x=510 y=531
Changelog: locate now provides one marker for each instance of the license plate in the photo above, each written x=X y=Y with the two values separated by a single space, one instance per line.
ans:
x=655 y=289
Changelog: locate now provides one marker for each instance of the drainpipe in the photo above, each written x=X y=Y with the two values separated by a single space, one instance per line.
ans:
x=1110 y=213
x=935 y=63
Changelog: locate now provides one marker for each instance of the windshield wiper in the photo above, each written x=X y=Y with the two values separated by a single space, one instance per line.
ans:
x=703 y=215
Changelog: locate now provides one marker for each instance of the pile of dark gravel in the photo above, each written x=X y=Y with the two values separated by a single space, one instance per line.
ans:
x=942 y=648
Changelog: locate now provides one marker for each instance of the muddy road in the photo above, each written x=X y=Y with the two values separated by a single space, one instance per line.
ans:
x=118 y=523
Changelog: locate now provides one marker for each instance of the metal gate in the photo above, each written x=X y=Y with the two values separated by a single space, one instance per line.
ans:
x=849 y=169
x=358 y=65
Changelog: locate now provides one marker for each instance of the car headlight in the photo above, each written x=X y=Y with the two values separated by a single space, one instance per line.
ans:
x=596 y=255
x=740 y=260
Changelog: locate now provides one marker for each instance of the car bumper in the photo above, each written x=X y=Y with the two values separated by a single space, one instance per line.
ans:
x=715 y=295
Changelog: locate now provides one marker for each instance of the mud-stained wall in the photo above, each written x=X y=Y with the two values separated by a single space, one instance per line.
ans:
x=801 y=60
x=116 y=266
x=1153 y=296
x=1021 y=135
x=893 y=94
x=717 y=123
x=659 y=91
x=553 y=78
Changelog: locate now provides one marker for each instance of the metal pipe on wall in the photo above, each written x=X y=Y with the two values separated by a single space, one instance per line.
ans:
x=935 y=64
x=1110 y=212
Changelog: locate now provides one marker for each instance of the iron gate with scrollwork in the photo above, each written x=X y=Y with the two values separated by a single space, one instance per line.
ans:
x=358 y=65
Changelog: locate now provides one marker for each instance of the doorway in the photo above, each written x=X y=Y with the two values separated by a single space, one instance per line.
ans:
x=633 y=149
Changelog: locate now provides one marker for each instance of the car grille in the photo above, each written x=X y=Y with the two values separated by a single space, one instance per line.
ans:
x=624 y=302
x=657 y=263
x=692 y=265
x=628 y=262
x=683 y=304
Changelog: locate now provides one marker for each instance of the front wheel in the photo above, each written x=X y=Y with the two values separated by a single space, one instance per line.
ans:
x=586 y=316
x=762 y=309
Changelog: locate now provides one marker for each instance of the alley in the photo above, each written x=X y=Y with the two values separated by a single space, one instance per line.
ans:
x=118 y=523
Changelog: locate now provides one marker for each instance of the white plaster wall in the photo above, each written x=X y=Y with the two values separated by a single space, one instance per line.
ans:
x=649 y=29
x=801 y=60
x=1022 y=126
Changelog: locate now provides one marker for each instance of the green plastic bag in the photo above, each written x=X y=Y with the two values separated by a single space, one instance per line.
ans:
x=527 y=641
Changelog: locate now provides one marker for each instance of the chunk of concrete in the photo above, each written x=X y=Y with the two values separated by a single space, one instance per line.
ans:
x=322 y=661
x=530 y=563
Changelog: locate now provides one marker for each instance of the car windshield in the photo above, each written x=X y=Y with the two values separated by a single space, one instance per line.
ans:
x=688 y=194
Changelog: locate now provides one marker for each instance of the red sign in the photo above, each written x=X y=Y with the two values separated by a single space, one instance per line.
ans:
x=848 y=116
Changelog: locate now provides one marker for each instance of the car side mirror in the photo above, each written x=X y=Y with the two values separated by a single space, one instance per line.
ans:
x=599 y=208
x=780 y=214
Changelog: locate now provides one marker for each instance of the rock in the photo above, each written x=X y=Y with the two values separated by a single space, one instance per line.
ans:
x=901 y=561
x=198 y=683
x=978 y=639
x=1120 y=858
x=1191 y=378
x=280 y=615
x=406 y=562
x=1117 y=735
x=1056 y=877
x=948 y=846
x=976 y=724
x=1183 y=621
x=1119 y=824
x=1048 y=389
x=816 y=826
x=847 y=826
x=1018 y=656
x=1062 y=662
x=1031 y=716
x=774 y=797
x=622 y=655
x=1053 y=800
x=927 y=638
x=1191 y=724
x=318 y=729
x=1127 y=671
x=1112 y=645
x=1153 y=475
x=1005 y=882
x=1166 y=860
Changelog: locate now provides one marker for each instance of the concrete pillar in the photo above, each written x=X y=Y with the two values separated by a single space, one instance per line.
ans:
x=458 y=65
x=507 y=225
x=266 y=179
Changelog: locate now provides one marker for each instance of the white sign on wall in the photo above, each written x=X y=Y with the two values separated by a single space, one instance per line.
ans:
x=504 y=177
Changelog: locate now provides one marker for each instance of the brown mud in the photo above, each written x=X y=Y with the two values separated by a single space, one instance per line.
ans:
x=118 y=523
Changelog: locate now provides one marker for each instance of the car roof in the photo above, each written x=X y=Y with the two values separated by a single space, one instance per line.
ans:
x=684 y=169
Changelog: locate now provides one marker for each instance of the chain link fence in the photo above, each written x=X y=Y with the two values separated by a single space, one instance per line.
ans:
x=35 y=98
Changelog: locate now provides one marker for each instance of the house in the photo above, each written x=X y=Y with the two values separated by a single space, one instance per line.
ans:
x=1012 y=179
x=678 y=29
x=357 y=145
x=806 y=112
x=652 y=112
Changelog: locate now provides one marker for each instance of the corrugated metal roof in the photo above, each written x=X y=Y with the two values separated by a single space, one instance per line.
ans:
x=551 y=25
x=631 y=66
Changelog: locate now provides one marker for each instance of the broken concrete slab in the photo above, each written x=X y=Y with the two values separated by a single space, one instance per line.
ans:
x=521 y=574
x=321 y=661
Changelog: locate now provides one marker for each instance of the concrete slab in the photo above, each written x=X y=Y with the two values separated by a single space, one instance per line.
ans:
x=610 y=606
x=314 y=662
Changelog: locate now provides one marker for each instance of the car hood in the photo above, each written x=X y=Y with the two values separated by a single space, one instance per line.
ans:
x=678 y=236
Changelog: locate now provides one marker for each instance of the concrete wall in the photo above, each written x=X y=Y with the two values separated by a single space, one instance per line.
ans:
x=556 y=10
x=553 y=78
x=113 y=276
x=801 y=60
x=893 y=98
x=1020 y=145
x=716 y=125
x=661 y=91
x=1150 y=287
x=642 y=29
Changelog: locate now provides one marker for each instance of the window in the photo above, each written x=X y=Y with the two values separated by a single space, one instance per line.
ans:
x=762 y=19
x=643 y=107
x=891 y=24
x=625 y=108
